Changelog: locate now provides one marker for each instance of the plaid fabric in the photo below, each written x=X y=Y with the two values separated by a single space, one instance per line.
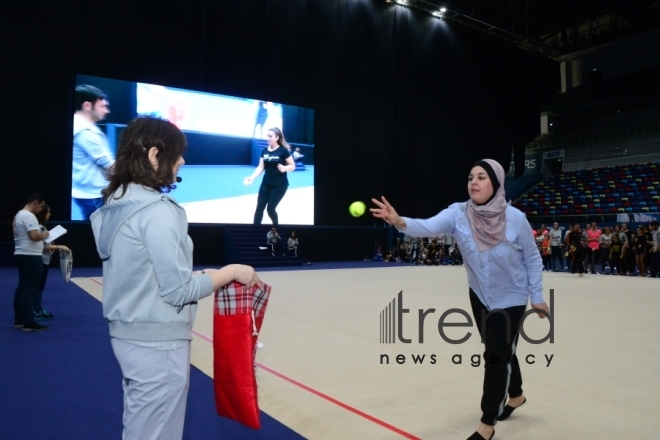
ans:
x=237 y=318
x=237 y=299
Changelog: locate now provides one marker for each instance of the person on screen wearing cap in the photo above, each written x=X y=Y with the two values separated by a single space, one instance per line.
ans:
x=504 y=273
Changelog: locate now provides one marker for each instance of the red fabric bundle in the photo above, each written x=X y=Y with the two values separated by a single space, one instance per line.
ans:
x=238 y=313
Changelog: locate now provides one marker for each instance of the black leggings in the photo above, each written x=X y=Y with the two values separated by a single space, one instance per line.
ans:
x=297 y=253
x=577 y=265
x=616 y=262
x=502 y=372
x=270 y=195
x=42 y=285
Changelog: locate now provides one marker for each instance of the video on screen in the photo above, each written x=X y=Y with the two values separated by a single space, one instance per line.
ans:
x=227 y=139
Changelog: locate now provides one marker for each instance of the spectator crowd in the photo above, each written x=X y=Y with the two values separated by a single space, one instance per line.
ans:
x=575 y=248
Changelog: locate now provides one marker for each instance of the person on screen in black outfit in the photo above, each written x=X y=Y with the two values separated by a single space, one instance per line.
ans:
x=275 y=161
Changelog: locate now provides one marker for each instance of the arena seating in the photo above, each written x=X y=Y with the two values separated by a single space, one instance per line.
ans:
x=622 y=189
x=514 y=188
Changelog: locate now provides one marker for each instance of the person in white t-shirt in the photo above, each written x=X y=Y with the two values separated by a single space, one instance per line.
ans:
x=28 y=247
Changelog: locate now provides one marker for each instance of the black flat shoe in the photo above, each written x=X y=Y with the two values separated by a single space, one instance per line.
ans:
x=508 y=410
x=477 y=436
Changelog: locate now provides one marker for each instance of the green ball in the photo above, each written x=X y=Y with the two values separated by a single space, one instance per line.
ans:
x=357 y=209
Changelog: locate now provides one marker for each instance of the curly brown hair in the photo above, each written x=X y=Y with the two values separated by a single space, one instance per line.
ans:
x=133 y=165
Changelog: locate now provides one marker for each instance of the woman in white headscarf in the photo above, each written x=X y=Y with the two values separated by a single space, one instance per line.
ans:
x=504 y=273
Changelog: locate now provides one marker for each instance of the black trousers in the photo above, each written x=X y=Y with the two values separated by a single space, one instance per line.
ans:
x=42 y=285
x=594 y=258
x=276 y=247
x=269 y=197
x=629 y=260
x=577 y=264
x=297 y=253
x=29 y=278
x=502 y=375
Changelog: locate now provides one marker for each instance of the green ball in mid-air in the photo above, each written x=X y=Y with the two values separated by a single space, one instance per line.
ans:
x=357 y=209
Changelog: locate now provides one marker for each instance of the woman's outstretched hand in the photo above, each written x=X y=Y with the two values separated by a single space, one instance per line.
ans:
x=385 y=211
x=540 y=308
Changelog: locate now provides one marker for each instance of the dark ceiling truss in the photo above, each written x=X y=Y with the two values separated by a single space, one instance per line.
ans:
x=554 y=28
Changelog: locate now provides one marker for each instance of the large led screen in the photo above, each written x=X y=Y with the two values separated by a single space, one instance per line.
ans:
x=227 y=138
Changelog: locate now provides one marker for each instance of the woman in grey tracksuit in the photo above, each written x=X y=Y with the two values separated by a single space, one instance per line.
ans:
x=150 y=291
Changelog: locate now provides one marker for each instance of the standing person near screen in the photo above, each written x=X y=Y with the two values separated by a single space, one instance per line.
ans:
x=504 y=272
x=262 y=116
x=275 y=162
x=49 y=249
x=91 y=154
x=150 y=291
x=28 y=246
